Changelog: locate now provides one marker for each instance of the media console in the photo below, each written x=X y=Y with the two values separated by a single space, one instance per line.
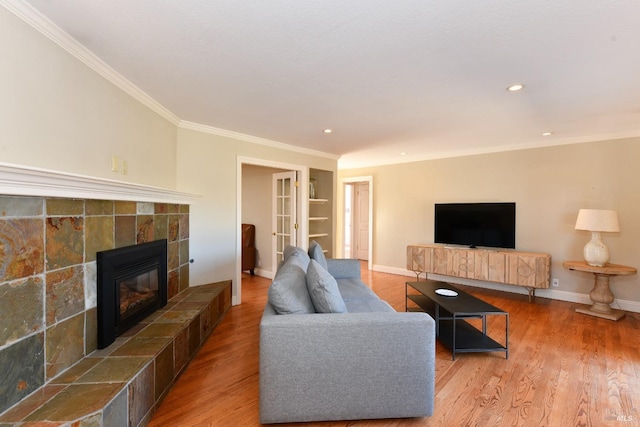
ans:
x=530 y=270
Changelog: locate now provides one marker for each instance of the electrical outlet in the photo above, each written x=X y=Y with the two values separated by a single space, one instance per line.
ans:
x=125 y=167
x=555 y=283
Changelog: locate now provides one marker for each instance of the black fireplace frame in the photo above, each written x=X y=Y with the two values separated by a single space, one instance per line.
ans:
x=118 y=264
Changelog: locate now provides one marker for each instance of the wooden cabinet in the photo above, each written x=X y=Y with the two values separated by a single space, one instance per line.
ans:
x=528 y=269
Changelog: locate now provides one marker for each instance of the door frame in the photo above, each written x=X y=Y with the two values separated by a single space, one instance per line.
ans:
x=303 y=231
x=350 y=180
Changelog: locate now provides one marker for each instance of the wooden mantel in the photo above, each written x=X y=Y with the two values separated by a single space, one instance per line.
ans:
x=16 y=180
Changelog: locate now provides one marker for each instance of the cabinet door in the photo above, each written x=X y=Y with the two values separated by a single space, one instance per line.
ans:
x=419 y=259
x=528 y=270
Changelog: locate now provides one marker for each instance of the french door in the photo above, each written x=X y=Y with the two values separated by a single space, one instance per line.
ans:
x=284 y=215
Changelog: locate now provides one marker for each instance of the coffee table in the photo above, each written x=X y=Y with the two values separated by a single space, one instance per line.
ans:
x=451 y=314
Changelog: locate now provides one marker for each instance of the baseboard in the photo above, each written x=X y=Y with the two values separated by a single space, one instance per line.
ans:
x=264 y=273
x=626 y=305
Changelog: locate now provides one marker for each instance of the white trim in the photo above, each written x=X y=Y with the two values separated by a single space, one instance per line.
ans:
x=253 y=139
x=45 y=26
x=20 y=180
x=369 y=180
x=347 y=163
x=626 y=305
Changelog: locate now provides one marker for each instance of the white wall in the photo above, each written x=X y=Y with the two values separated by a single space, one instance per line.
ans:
x=207 y=165
x=549 y=186
x=57 y=113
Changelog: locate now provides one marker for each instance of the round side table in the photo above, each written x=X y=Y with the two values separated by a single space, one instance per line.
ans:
x=601 y=295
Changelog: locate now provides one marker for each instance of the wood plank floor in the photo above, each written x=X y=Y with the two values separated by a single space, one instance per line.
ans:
x=564 y=369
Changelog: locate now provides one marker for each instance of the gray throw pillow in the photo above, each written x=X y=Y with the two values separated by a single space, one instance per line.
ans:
x=315 y=252
x=288 y=292
x=294 y=251
x=323 y=290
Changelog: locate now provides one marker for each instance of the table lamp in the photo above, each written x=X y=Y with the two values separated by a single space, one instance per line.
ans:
x=597 y=221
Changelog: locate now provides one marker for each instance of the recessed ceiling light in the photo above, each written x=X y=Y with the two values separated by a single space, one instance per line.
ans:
x=516 y=87
x=547 y=134
x=327 y=131
x=403 y=153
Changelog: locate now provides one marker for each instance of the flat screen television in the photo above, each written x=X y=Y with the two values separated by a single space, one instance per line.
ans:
x=476 y=224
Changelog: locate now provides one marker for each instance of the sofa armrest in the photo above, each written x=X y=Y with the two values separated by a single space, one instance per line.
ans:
x=319 y=367
x=344 y=268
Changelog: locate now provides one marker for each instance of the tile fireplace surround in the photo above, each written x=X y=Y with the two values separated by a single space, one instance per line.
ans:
x=48 y=324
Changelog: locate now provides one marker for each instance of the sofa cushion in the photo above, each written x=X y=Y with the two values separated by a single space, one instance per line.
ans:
x=368 y=306
x=288 y=292
x=351 y=289
x=323 y=290
x=315 y=252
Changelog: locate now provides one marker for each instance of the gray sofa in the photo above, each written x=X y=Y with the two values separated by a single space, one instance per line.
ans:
x=364 y=360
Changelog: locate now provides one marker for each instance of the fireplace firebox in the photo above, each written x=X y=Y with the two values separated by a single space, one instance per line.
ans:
x=132 y=284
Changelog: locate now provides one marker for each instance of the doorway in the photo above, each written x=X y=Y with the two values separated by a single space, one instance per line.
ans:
x=254 y=205
x=358 y=219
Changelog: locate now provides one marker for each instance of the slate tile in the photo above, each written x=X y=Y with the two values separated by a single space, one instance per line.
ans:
x=65 y=207
x=21 y=370
x=64 y=406
x=143 y=392
x=161 y=227
x=184 y=252
x=125 y=208
x=18 y=206
x=164 y=370
x=184 y=226
x=65 y=345
x=125 y=231
x=99 y=207
x=100 y=232
x=116 y=413
x=21 y=248
x=173 y=255
x=65 y=293
x=22 y=308
x=184 y=277
x=64 y=242
x=145 y=229
x=114 y=369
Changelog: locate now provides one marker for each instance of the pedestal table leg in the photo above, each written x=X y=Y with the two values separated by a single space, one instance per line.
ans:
x=602 y=297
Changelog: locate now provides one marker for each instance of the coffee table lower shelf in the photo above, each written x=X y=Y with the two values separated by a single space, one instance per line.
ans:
x=454 y=331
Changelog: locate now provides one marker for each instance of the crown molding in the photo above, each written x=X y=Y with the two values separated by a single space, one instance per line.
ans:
x=17 y=180
x=253 y=139
x=349 y=163
x=42 y=24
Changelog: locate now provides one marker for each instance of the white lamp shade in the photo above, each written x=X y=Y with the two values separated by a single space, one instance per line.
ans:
x=597 y=220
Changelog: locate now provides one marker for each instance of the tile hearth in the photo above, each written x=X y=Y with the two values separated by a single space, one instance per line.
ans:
x=123 y=383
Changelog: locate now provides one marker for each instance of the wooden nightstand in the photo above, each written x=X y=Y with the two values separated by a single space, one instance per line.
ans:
x=601 y=294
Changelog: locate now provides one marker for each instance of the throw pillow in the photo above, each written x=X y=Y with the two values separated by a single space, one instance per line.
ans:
x=315 y=252
x=288 y=292
x=323 y=290
x=294 y=251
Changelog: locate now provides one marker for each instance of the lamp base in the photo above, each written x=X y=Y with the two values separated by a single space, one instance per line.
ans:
x=595 y=251
x=614 y=315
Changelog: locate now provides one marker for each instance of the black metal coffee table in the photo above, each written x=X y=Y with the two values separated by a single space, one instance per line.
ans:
x=451 y=314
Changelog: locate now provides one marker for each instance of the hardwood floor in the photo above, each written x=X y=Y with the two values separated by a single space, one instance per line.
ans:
x=564 y=368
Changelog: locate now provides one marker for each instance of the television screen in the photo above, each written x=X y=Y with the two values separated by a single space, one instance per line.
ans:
x=476 y=224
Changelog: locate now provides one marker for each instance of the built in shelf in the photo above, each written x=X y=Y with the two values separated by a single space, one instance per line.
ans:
x=311 y=236
x=318 y=218
x=318 y=200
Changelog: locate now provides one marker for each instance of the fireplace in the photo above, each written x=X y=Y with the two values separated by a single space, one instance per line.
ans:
x=132 y=284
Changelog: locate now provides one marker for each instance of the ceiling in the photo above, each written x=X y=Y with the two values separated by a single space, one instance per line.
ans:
x=396 y=81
